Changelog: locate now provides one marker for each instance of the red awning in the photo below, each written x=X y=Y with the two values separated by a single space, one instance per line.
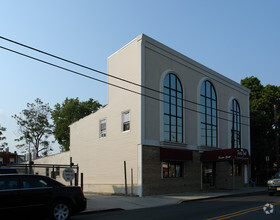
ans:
x=167 y=154
x=238 y=154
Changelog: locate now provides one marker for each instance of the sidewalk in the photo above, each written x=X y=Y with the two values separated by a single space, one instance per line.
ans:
x=113 y=202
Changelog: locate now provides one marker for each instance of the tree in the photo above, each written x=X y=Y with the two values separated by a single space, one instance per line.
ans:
x=262 y=125
x=68 y=112
x=34 y=127
x=3 y=144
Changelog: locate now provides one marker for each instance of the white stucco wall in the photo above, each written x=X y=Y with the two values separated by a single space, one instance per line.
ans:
x=102 y=159
x=60 y=158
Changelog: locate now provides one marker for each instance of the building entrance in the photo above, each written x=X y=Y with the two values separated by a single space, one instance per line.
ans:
x=209 y=174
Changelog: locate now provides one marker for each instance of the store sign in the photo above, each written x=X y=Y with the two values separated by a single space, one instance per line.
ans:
x=225 y=154
x=224 y=157
x=241 y=153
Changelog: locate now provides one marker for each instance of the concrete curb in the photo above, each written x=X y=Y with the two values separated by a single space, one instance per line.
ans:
x=86 y=212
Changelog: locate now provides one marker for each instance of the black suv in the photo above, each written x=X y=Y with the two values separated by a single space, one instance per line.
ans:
x=26 y=194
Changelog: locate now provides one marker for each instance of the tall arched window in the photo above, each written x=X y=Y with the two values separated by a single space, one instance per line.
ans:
x=235 y=124
x=173 y=109
x=208 y=101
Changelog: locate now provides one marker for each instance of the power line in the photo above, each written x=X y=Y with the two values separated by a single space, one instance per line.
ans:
x=106 y=74
x=111 y=84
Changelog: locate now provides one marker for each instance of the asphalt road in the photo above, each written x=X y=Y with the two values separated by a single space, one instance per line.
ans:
x=234 y=207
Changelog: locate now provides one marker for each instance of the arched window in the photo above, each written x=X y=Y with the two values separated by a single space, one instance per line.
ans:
x=235 y=124
x=173 y=109
x=208 y=101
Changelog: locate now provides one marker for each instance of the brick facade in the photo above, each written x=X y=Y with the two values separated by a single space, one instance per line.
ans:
x=154 y=183
x=224 y=178
x=7 y=158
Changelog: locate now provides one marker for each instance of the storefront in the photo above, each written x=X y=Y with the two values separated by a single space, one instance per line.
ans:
x=172 y=161
x=226 y=168
x=169 y=170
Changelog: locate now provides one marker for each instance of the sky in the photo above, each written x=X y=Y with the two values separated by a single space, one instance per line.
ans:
x=236 y=38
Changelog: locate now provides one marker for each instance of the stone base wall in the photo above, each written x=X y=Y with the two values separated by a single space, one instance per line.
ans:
x=224 y=178
x=153 y=183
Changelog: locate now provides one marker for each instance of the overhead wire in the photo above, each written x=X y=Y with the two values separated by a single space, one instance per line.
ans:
x=110 y=75
x=108 y=83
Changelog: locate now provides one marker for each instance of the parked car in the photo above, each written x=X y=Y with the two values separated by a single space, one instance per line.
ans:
x=22 y=193
x=5 y=170
x=274 y=184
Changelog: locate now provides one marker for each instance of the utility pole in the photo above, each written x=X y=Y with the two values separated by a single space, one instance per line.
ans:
x=125 y=179
x=29 y=152
x=29 y=157
x=276 y=138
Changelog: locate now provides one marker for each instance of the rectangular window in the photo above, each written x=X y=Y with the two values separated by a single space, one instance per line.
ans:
x=126 y=121
x=12 y=160
x=1 y=160
x=102 y=128
x=172 y=169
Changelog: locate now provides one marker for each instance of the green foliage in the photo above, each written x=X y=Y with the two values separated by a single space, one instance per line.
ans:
x=34 y=127
x=3 y=144
x=262 y=101
x=68 y=112
x=256 y=88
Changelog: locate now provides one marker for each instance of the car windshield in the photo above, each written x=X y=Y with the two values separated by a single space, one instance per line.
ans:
x=277 y=175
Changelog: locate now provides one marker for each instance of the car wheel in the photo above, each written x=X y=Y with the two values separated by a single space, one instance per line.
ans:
x=271 y=193
x=60 y=210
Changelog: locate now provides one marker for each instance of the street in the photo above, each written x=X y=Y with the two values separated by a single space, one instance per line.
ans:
x=234 y=207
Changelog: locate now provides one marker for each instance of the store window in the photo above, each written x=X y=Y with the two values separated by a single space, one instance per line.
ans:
x=208 y=173
x=173 y=109
x=102 y=128
x=235 y=125
x=126 y=121
x=208 y=118
x=172 y=169
x=237 y=169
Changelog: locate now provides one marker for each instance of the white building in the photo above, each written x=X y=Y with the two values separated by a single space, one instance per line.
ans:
x=167 y=135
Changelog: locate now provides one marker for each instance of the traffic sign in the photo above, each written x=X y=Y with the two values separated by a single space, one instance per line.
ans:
x=68 y=174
